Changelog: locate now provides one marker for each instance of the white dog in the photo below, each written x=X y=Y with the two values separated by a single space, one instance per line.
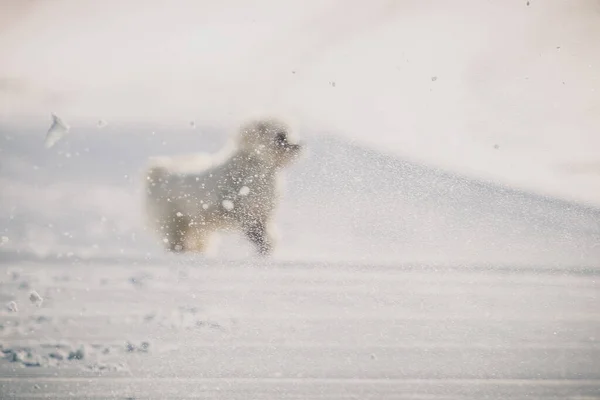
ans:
x=237 y=191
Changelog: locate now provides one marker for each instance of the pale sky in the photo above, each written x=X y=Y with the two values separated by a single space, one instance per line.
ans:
x=500 y=90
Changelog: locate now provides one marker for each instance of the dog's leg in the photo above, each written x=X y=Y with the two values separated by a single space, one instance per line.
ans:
x=197 y=240
x=177 y=230
x=257 y=232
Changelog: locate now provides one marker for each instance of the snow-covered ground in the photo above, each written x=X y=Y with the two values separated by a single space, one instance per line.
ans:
x=440 y=238
x=342 y=203
x=194 y=329
x=392 y=279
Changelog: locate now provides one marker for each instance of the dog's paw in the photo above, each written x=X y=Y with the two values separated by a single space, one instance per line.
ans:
x=265 y=249
x=178 y=248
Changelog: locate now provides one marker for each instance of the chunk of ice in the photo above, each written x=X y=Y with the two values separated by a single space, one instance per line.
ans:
x=35 y=298
x=12 y=307
x=57 y=131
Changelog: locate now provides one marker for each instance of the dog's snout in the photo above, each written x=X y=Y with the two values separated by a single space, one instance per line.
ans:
x=294 y=147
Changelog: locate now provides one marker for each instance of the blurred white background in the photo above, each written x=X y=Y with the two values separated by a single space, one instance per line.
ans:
x=502 y=90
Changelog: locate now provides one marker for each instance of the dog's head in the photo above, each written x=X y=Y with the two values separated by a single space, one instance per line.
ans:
x=270 y=140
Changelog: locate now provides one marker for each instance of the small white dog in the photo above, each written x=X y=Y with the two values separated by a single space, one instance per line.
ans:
x=237 y=191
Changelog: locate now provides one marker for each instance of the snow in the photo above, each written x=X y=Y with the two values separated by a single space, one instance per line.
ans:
x=259 y=329
x=228 y=205
x=439 y=238
x=244 y=190
x=378 y=259
x=365 y=203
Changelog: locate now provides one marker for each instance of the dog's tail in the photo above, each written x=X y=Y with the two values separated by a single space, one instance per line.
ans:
x=156 y=175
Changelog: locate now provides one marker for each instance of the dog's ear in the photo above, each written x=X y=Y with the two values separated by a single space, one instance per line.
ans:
x=261 y=126
x=262 y=132
x=252 y=131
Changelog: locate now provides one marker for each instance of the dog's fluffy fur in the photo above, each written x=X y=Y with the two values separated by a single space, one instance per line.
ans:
x=237 y=191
